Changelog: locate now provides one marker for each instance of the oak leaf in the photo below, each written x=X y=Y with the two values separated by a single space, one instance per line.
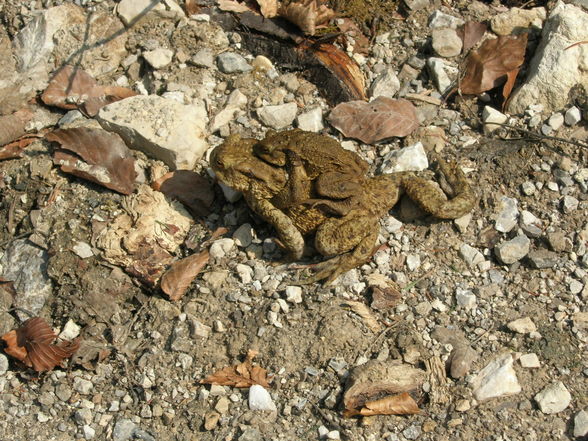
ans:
x=95 y=155
x=497 y=61
x=241 y=375
x=374 y=121
x=32 y=344
x=306 y=14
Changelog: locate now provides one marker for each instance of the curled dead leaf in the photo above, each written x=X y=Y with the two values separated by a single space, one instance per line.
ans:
x=233 y=6
x=32 y=345
x=188 y=187
x=471 y=32
x=364 y=312
x=176 y=280
x=13 y=126
x=241 y=375
x=374 y=121
x=306 y=14
x=497 y=61
x=95 y=155
x=401 y=404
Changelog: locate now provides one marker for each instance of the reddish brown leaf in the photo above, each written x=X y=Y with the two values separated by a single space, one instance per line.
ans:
x=106 y=95
x=385 y=298
x=188 y=187
x=242 y=375
x=95 y=155
x=32 y=344
x=488 y=66
x=374 y=121
x=13 y=126
x=508 y=85
x=11 y=151
x=191 y=7
x=176 y=280
x=471 y=32
x=69 y=88
x=401 y=404
x=343 y=67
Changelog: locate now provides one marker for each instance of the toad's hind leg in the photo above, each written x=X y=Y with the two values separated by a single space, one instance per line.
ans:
x=434 y=201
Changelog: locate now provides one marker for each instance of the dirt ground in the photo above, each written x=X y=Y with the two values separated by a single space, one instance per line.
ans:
x=145 y=355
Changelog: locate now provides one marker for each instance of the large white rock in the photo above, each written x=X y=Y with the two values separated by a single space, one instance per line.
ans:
x=260 y=399
x=554 y=398
x=553 y=69
x=161 y=128
x=130 y=10
x=497 y=379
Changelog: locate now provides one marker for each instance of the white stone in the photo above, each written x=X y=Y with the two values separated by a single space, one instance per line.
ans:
x=446 y=42
x=82 y=386
x=581 y=423
x=129 y=10
x=237 y=98
x=278 y=117
x=3 y=365
x=89 y=432
x=438 y=70
x=262 y=63
x=245 y=273
x=556 y=121
x=158 y=58
x=412 y=158
x=553 y=71
x=491 y=118
x=497 y=379
x=529 y=361
x=83 y=250
x=439 y=19
x=163 y=129
x=385 y=84
x=311 y=121
x=413 y=261
x=221 y=247
x=465 y=298
x=508 y=214
x=516 y=19
x=522 y=326
x=70 y=331
x=294 y=294
x=573 y=116
x=260 y=399
x=231 y=195
x=471 y=255
x=223 y=117
x=554 y=398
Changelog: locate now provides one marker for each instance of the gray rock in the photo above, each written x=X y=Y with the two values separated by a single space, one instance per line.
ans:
x=529 y=361
x=3 y=364
x=250 y=434
x=508 y=214
x=231 y=62
x=162 y=128
x=497 y=379
x=543 y=258
x=123 y=430
x=82 y=386
x=465 y=298
x=471 y=255
x=260 y=399
x=130 y=10
x=203 y=58
x=462 y=355
x=278 y=117
x=243 y=235
x=530 y=224
x=569 y=204
x=446 y=42
x=158 y=58
x=412 y=432
x=311 y=121
x=412 y=158
x=415 y=5
x=554 y=398
x=385 y=84
x=553 y=71
x=491 y=118
x=26 y=265
x=513 y=250
x=581 y=423
x=439 y=19
x=572 y=116
x=516 y=19
x=438 y=71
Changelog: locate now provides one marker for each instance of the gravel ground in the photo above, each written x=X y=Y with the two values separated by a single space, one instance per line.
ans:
x=508 y=282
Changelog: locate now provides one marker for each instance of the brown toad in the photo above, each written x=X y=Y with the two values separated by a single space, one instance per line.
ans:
x=279 y=178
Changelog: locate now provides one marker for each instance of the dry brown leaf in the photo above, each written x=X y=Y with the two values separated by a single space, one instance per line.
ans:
x=364 y=312
x=95 y=155
x=188 y=187
x=13 y=126
x=386 y=298
x=69 y=88
x=374 y=121
x=471 y=32
x=32 y=344
x=490 y=65
x=306 y=14
x=376 y=379
x=268 y=8
x=401 y=404
x=191 y=7
x=176 y=280
x=242 y=375
x=343 y=67
x=16 y=148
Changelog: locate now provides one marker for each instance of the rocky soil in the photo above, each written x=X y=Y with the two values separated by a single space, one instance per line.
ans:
x=505 y=288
